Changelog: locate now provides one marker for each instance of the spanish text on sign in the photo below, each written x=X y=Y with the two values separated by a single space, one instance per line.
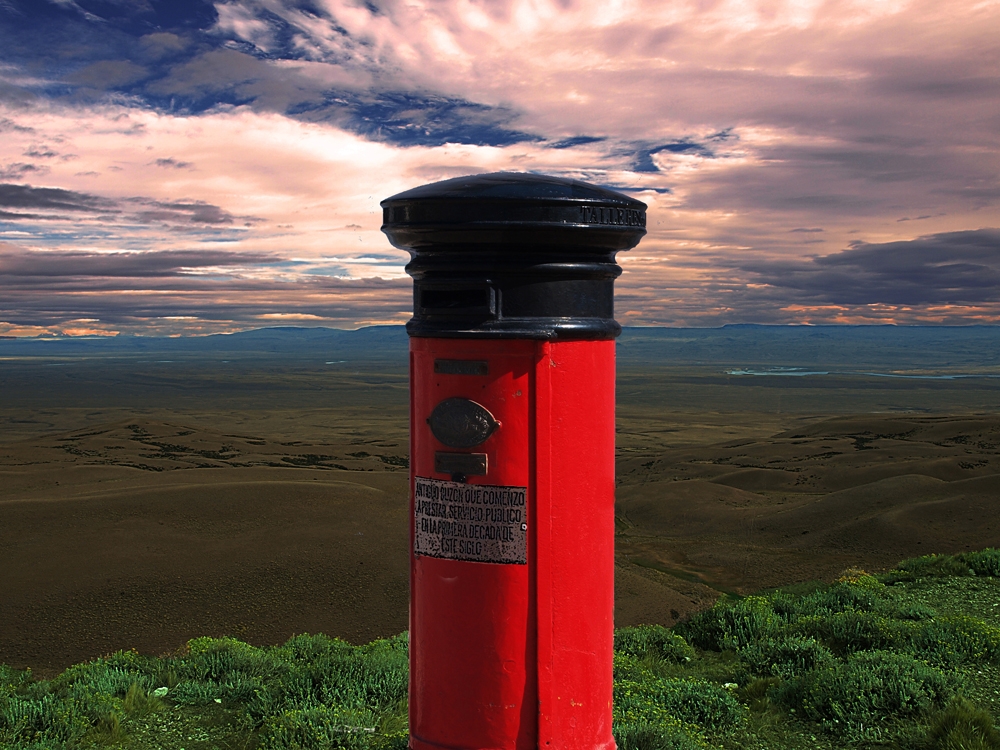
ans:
x=474 y=522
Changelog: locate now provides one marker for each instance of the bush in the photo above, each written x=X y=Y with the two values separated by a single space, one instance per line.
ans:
x=215 y=659
x=785 y=656
x=664 y=701
x=929 y=566
x=88 y=700
x=917 y=612
x=861 y=578
x=731 y=625
x=192 y=693
x=846 y=596
x=46 y=720
x=112 y=675
x=138 y=702
x=848 y=631
x=653 y=641
x=319 y=728
x=655 y=737
x=13 y=681
x=983 y=563
x=950 y=641
x=962 y=726
x=850 y=696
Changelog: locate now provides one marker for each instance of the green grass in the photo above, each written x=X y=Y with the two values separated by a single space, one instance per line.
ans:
x=909 y=660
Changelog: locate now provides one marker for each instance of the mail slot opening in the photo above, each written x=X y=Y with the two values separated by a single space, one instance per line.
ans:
x=460 y=300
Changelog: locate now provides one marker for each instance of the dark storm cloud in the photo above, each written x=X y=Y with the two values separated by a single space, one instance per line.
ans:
x=193 y=212
x=579 y=140
x=132 y=17
x=143 y=210
x=952 y=268
x=415 y=118
x=25 y=196
x=40 y=152
x=78 y=269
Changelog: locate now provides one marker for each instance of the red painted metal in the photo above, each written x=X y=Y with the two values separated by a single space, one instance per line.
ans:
x=515 y=656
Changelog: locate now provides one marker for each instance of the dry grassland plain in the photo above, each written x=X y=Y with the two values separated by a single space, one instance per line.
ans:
x=256 y=485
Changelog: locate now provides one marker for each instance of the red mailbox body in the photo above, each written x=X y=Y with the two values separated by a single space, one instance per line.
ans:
x=512 y=493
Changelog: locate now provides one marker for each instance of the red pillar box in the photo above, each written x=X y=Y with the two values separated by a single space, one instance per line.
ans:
x=512 y=393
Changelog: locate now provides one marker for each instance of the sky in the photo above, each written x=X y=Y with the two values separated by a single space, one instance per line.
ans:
x=177 y=167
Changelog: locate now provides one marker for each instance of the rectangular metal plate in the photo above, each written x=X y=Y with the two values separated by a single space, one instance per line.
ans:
x=470 y=464
x=461 y=367
x=474 y=522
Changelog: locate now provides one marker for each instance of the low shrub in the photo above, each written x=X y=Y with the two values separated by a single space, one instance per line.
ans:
x=928 y=566
x=137 y=702
x=844 y=596
x=785 y=656
x=319 y=728
x=44 y=720
x=950 y=641
x=860 y=578
x=112 y=675
x=662 y=700
x=916 y=612
x=865 y=665
x=656 y=737
x=963 y=726
x=984 y=562
x=307 y=673
x=192 y=693
x=653 y=641
x=215 y=659
x=849 y=698
x=88 y=700
x=848 y=631
x=731 y=625
x=14 y=681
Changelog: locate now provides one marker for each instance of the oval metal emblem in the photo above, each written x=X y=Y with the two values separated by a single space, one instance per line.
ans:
x=461 y=423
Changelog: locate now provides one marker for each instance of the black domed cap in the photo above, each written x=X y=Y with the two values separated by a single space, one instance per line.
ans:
x=513 y=255
x=513 y=208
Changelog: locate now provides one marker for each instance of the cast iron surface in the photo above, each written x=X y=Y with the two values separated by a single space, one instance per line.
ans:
x=513 y=255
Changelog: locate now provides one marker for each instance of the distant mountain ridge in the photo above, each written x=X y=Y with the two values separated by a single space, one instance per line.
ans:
x=743 y=345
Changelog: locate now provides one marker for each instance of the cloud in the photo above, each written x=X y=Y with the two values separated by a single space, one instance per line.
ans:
x=952 y=268
x=20 y=263
x=766 y=135
x=130 y=208
x=7 y=125
x=40 y=152
x=171 y=292
x=25 y=196
x=578 y=140
x=415 y=118
x=108 y=74
x=197 y=212
x=171 y=162
x=19 y=170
